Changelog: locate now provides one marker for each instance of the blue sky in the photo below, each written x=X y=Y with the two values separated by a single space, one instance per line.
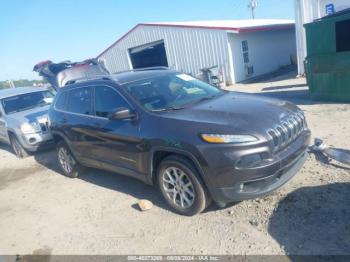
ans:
x=36 y=30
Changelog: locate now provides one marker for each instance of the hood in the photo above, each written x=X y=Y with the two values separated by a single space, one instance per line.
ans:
x=241 y=112
x=38 y=114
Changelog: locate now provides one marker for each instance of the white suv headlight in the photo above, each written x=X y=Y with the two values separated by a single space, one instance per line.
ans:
x=225 y=139
x=30 y=128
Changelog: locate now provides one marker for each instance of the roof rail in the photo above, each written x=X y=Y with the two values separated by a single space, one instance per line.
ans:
x=144 y=69
x=152 y=68
x=83 y=79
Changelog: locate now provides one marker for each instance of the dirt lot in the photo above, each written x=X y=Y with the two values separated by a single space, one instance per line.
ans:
x=42 y=211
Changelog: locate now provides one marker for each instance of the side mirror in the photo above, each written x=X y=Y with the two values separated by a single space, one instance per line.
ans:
x=122 y=113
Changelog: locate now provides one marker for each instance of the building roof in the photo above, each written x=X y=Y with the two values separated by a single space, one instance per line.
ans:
x=7 y=92
x=235 y=25
x=238 y=26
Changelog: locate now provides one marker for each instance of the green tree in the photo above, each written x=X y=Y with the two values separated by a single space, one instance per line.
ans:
x=21 y=83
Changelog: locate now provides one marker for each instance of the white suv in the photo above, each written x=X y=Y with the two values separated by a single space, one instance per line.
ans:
x=23 y=118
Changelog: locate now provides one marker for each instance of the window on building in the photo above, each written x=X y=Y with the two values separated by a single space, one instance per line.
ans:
x=343 y=35
x=246 y=57
x=79 y=101
x=245 y=51
x=250 y=70
x=245 y=46
x=107 y=100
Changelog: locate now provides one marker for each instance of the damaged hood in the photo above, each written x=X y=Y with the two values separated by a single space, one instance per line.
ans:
x=239 y=111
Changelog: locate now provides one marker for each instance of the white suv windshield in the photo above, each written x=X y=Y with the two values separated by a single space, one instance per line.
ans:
x=26 y=101
x=171 y=91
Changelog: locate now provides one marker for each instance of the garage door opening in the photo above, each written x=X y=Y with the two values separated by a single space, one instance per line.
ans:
x=149 y=55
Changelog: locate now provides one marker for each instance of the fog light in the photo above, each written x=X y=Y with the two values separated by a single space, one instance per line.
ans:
x=32 y=140
x=249 y=161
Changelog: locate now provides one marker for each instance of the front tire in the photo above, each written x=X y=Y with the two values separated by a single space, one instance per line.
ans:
x=181 y=186
x=68 y=164
x=17 y=148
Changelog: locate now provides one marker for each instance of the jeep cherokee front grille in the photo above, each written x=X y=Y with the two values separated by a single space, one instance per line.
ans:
x=287 y=130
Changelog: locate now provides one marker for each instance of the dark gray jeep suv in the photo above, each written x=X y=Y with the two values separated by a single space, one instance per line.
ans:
x=192 y=140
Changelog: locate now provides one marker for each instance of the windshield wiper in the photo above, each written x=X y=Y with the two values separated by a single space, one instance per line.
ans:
x=41 y=104
x=171 y=108
x=207 y=98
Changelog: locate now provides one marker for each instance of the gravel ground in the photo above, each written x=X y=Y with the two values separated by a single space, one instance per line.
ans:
x=43 y=212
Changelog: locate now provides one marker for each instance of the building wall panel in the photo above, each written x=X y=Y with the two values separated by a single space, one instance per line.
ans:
x=187 y=50
x=268 y=51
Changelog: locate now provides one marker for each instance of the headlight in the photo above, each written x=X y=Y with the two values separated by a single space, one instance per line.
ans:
x=30 y=128
x=224 y=139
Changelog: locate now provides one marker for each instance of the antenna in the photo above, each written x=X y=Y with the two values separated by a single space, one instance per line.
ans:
x=253 y=4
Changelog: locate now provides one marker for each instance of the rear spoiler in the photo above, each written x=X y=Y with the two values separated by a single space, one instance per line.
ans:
x=61 y=74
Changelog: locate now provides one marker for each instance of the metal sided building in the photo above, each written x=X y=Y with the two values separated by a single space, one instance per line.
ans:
x=241 y=49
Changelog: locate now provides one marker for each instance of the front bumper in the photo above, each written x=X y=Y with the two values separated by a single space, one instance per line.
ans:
x=230 y=184
x=258 y=188
x=36 y=141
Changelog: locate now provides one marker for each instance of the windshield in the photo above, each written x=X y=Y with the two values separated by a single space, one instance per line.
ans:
x=171 y=92
x=26 y=101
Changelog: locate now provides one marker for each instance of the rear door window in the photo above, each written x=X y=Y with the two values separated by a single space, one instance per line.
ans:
x=79 y=101
x=107 y=100
x=61 y=101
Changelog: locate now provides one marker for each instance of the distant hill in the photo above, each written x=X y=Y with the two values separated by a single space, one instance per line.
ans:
x=22 y=82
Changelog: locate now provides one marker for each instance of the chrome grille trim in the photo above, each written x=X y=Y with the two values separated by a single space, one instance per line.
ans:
x=287 y=130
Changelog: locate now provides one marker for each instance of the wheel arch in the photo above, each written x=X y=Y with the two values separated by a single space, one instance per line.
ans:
x=160 y=154
x=12 y=132
x=57 y=137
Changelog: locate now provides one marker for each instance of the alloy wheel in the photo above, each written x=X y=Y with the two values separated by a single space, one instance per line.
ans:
x=178 y=187
x=66 y=160
x=16 y=147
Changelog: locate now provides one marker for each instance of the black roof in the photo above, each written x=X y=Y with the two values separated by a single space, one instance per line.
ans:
x=126 y=77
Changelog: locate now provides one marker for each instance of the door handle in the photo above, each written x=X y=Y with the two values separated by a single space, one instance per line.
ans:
x=63 y=121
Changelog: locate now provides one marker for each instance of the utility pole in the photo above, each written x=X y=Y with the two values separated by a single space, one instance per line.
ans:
x=253 y=4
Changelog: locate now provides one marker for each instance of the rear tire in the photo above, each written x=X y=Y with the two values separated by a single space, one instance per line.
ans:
x=68 y=164
x=181 y=186
x=17 y=148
